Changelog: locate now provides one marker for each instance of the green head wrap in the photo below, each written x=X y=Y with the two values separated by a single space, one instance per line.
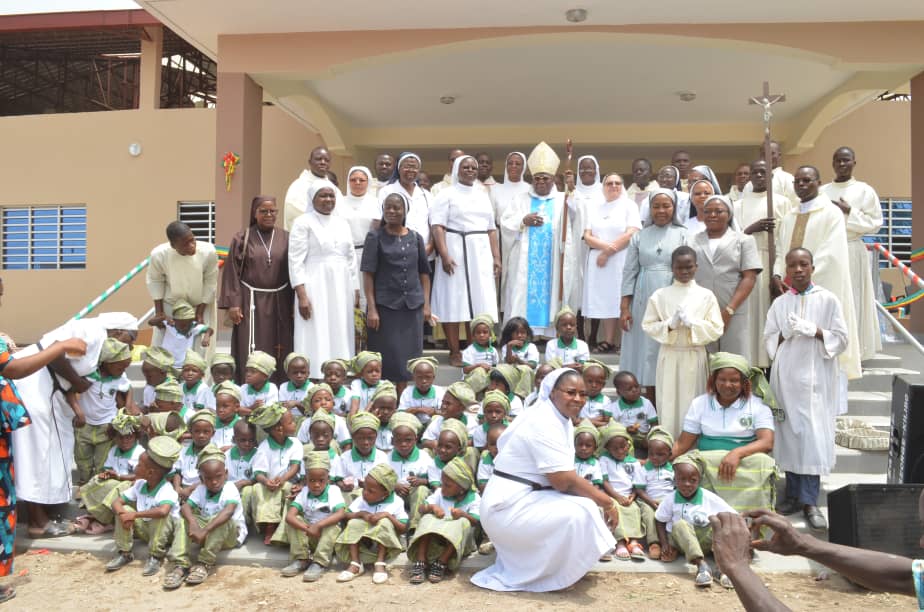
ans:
x=169 y=391
x=404 y=419
x=317 y=460
x=113 y=351
x=158 y=422
x=164 y=451
x=183 y=311
x=160 y=358
x=615 y=429
x=228 y=388
x=485 y=319
x=607 y=370
x=292 y=357
x=223 y=359
x=364 y=420
x=587 y=427
x=267 y=415
x=457 y=427
x=661 y=435
x=495 y=396
x=210 y=453
x=309 y=394
x=364 y=358
x=323 y=416
x=462 y=392
x=385 y=476
x=125 y=423
x=205 y=415
x=195 y=359
x=692 y=458
x=262 y=362
x=565 y=310
x=759 y=385
x=343 y=363
x=510 y=373
x=385 y=388
x=431 y=361
x=459 y=472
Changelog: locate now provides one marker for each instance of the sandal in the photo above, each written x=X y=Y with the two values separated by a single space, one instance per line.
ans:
x=198 y=574
x=175 y=578
x=379 y=577
x=723 y=580
x=622 y=553
x=7 y=594
x=703 y=576
x=654 y=551
x=52 y=529
x=607 y=556
x=604 y=347
x=417 y=572
x=636 y=552
x=347 y=575
x=437 y=570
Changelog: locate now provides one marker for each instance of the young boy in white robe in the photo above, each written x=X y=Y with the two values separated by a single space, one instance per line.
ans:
x=804 y=335
x=683 y=317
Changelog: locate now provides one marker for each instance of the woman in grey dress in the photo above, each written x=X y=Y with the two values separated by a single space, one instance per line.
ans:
x=647 y=269
x=727 y=264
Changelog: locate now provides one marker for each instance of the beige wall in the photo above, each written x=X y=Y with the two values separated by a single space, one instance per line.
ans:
x=880 y=133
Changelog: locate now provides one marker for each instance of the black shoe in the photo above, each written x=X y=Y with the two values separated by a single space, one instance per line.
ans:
x=151 y=567
x=789 y=506
x=119 y=561
x=815 y=518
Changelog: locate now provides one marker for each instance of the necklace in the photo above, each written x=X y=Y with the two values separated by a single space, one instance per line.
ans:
x=268 y=249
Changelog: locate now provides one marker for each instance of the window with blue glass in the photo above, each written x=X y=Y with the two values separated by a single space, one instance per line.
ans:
x=44 y=237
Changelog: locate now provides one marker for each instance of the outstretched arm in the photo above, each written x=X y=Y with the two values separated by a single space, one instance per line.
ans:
x=21 y=367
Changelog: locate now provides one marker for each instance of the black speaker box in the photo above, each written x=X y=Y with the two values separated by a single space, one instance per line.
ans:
x=877 y=517
x=906 y=447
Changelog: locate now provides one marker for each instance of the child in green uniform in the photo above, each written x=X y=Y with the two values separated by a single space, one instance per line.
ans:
x=313 y=520
x=150 y=510
x=196 y=394
x=446 y=535
x=586 y=442
x=214 y=515
x=350 y=469
x=156 y=367
x=375 y=520
x=655 y=482
x=118 y=474
x=683 y=520
x=275 y=466
x=168 y=397
x=414 y=467
x=221 y=369
x=480 y=356
x=454 y=442
x=186 y=471
x=620 y=469
x=368 y=368
x=495 y=408
x=383 y=404
x=335 y=375
x=292 y=392
x=227 y=403
x=239 y=463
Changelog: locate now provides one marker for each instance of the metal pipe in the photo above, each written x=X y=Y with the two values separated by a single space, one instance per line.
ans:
x=904 y=333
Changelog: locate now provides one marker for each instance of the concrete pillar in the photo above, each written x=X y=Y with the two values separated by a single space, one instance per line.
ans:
x=239 y=129
x=152 y=49
x=917 y=187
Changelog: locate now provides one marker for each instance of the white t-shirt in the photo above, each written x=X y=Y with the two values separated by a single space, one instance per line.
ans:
x=475 y=354
x=641 y=413
x=622 y=475
x=249 y=396
x=528 y=353
x=361 y=391
x=341 y=431
x=695 y=511
x=123 y=463
x=289 y=392
x=658 y=482
x=383 y=439
x=436 y=426
x=589 y=469
x=144 y=499
x=178 y=343
x=186 y=467
x=240 y=467
x=412 y=398
x=99 y=401
x=739 y=422
x=419 y=463
x=485 y=468
x=198 y=397
x=470 y=503
x=596 y=407
x=576 y=352
x=273 y=459
x=341 y=402
x=210 y=505
x=314 y=509
x=353 y=465
x=224 y=433
x=392 y=504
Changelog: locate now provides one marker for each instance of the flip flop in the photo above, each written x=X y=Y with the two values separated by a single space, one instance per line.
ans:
x=622 y=553
x=603 y=348
x=52 y=529
x=636 y=552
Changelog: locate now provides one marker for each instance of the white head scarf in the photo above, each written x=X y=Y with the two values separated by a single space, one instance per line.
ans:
x=548 y=383
x=710 y=176
x=623 y=196
x=593 y=188
x=506 y=159
x=317 y=186
x=396 y=176
x=118 y=320
x=455 y=170
x=724 y=200
x=676 y=174
x=349 y=194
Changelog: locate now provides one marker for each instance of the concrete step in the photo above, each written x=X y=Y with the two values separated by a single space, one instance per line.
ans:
x=869 y=403
x=878 y=379
x=884 y=360
x=850 y=461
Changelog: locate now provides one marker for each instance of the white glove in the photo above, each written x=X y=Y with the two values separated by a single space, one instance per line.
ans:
x=802 y=327
x=675 y=321
x=684 y=317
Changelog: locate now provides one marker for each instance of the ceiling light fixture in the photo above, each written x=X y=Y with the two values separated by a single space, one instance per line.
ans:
x=686 y=96
x=576 y=15
x=447 y=99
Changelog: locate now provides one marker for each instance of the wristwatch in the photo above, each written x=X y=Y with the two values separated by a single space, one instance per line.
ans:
x=730 y=311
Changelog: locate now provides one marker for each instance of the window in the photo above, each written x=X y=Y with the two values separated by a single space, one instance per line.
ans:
x=44 y=237
x=200 y=217
x=895 y=234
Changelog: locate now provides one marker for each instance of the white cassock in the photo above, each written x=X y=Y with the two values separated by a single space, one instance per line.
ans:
x=45 y=449
x=297 y=197
x=467 y=215
x=359 y=213
x=545 y=540
x=782 y=185
x=804 y=379
x=825 y=236
x=583 y=201
x=639 y=195
x=603 y=285
x=503 y=195
x=734 y=194
x=321 y=257
x=750 y=208
x=865 y=218
x=534 y=282
x=683 y=365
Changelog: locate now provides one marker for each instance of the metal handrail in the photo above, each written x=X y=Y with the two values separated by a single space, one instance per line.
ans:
x=904 y=333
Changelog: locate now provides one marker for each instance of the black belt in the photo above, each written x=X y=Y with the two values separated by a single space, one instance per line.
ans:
x=468 y=282
x=521 y=480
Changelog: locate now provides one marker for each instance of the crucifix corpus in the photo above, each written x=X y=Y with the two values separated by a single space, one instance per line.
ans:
x=766 y=101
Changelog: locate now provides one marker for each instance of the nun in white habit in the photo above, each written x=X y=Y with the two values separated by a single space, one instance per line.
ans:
x=360 y=207
x=587 y=197
x=503 y=195
x=545 y=521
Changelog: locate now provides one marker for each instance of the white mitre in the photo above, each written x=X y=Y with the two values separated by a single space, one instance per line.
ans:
x=543 y=160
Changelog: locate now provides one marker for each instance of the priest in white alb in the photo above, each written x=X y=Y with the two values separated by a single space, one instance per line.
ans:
x=538 y=275
x=862 y=215
x=297 y=194
x=782 y=180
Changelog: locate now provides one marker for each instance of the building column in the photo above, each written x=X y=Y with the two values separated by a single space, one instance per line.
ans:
x=152 y=50
x=239 y=130
x=917 y=187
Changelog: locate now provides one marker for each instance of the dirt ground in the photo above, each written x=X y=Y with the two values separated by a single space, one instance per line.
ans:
x=79 y=580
